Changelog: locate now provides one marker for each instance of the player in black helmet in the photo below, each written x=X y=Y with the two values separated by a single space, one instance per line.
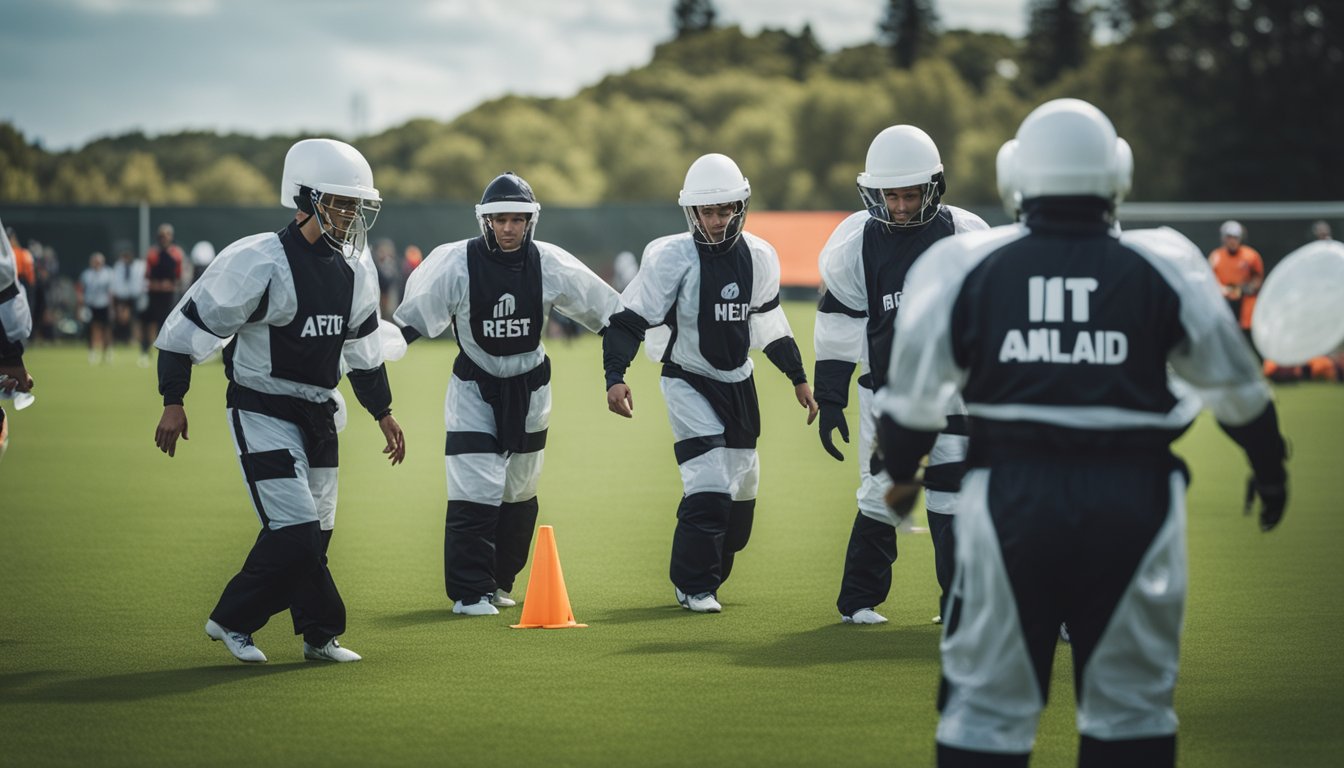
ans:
x=496 y=291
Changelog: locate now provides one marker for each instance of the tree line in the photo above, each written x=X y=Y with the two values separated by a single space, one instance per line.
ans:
x=1220 y=101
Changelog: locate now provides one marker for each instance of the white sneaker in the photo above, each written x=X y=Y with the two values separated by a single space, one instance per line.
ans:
x=503 y=599
x=143 y=362
x=938 y=619
x=701 y=603
x=332 y=651
x=481 y=607
x=239 y=644
x=864 y=616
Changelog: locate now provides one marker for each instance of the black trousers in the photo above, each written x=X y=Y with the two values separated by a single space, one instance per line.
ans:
x=286 y=569
x=943 y=533
x=711 y=530
x=485 y=546
x=868 y=560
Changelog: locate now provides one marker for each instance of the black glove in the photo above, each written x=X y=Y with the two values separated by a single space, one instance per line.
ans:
x=1273 y=499
x=832 y=417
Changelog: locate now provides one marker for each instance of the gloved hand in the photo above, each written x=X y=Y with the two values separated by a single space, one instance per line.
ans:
x=832 y=417
x=1273 y=499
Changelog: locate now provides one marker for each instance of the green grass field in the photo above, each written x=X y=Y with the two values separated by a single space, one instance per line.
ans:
x=112 y=554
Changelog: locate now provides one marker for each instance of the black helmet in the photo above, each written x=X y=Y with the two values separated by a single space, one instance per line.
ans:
x=507 y=193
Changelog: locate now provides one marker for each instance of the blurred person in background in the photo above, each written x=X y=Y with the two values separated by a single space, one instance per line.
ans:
x=1058 y=333
x=1321 y=230
x=863 y=268
x=128 y=288
x=299 y=307
x=623 y=270
x=1240 y=271
x=25 y=272
x=496 y=291
x=163 y=275
x=716 y=287
x=93 y=296
x=202 y=253
x=390 y=279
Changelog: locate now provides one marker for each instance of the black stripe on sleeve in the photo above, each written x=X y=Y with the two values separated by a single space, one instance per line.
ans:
x=193 y=313
x=828 y=303
x=369 y=326
x=767 y=306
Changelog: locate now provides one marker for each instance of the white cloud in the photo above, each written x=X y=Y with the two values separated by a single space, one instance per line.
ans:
x=78 y=69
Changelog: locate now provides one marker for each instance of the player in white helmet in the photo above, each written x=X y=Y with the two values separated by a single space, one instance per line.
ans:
x=496 y=291
x=863 y=269
x=1058 y=333
x=291 y=310
x=716 y=289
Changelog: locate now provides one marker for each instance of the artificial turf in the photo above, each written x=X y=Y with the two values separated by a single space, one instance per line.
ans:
x=112 y=555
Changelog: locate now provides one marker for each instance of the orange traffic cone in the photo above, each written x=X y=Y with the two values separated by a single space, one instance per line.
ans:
x=546 y=602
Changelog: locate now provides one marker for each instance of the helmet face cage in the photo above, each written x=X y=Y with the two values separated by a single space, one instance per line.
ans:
x=345 y=221
x=507 y=193
x=875 y=201
x=483 y=219
x=730 y=234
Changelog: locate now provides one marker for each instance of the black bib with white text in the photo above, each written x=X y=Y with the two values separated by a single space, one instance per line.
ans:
x=506 y=298
x=725 y=305
x=308 y=349
x=888 y=254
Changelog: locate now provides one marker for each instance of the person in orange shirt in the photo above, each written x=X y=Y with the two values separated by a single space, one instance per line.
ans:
x=24 y=268
x=1239 y=270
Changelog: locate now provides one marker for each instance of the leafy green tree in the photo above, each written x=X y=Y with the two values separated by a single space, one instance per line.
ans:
x=910 y=29
x=1059 y=34
x=978 y=56
x=803 y=51
x=231 y=179
x=88 y=186
x=1256 y=80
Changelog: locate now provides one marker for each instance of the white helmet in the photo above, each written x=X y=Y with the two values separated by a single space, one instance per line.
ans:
x=1065 y=147
x=902 y=156
x=318 y=170
x=715 y=179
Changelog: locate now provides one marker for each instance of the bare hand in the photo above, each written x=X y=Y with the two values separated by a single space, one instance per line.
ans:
x=396 y=440
x=172 y=424
x=18 y=378
x=620 y=401
x=804 y=394
x=901 y=498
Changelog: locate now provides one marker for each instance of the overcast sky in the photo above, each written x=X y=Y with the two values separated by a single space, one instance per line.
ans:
x=75 y=70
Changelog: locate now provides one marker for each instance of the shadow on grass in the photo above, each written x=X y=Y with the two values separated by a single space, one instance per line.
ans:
x=637 y=615
x=415 y=618
x=831 y=644
x=27 y=687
